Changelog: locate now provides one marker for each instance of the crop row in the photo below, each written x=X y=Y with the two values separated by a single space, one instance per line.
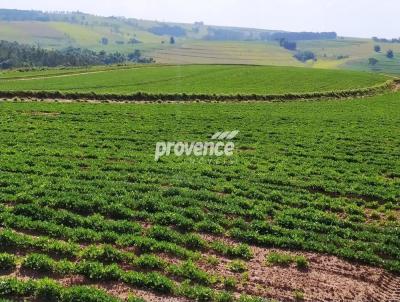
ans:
x=307 y=218
x=289 y=231
x=163 y=210
x=49 y=290
x=142 y=244
x=96 y=229
x=256 y=233
x=96 y=272
x=103 y=254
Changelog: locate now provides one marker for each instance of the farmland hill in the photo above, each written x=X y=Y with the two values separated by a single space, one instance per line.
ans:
x=177 y=43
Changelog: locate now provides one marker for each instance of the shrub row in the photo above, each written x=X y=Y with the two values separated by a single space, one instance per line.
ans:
x=49 y=290
x=143 y=244
x=85 y=228
x=97 y=271
x=195 y=242
x=95 y=222
x=141 y=96
x=9 y=240
x=283 y=259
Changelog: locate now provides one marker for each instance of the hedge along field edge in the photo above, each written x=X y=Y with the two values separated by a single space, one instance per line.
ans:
x=149 y=97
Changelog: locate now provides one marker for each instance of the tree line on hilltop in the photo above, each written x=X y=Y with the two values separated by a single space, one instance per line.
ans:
x=15 y=55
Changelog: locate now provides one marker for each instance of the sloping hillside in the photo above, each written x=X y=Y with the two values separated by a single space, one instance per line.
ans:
x=176 y=43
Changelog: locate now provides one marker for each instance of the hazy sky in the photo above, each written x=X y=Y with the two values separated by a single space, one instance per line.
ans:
x=360 y=18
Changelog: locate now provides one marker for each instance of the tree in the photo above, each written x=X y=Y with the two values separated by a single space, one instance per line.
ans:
x=287 y=44
x=298 y=36
x=372 y=61
x=304 y=56
x=104 y=41
x=134 y=41
x=165 y=29
x=135 y=56
x=172 y=40
x=377 y=48
x=390 y=54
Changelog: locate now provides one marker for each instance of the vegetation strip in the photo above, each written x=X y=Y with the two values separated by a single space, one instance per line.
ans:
x=183 y=97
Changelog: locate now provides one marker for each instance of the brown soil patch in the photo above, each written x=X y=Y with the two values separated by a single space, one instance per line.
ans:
x=328 y=278
x=166 y=186
x=246 y=149
x=396 y=86
x=41 y=113
x=222 y=194
x=120 y=160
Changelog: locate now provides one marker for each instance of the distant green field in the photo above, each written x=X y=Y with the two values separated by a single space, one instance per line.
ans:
x=353 y=54
x=49 y=72
x=223 y=52
x=215 y=79
x=384 y=64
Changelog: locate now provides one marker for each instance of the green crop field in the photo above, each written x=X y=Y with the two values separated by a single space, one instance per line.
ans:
x=222 y=52
x=207 y=79
x=83 y=202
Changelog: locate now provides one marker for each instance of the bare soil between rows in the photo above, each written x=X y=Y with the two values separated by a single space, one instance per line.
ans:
x=327 y=278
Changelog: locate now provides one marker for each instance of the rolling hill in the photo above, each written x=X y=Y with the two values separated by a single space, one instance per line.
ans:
x=194 y=43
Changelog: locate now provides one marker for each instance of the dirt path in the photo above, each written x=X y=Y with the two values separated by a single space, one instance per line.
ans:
x=72 y=74
x=59 y=75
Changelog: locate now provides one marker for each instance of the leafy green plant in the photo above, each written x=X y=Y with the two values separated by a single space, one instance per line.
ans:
x=284 y=259
x=298 y=295
x=275 y=258
x=39 y=262
x=99 y=271
x=135 y=299
x=230 y=282
x=197 y=292
x=86 y=294
x=238 y=266
x=106 y=254
x=152 y=281
x=212 y=260
x=190 y=271
x=301 y=262
x=7 y=262
x=149 y=262
x=224 y=297
x=48 y=290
